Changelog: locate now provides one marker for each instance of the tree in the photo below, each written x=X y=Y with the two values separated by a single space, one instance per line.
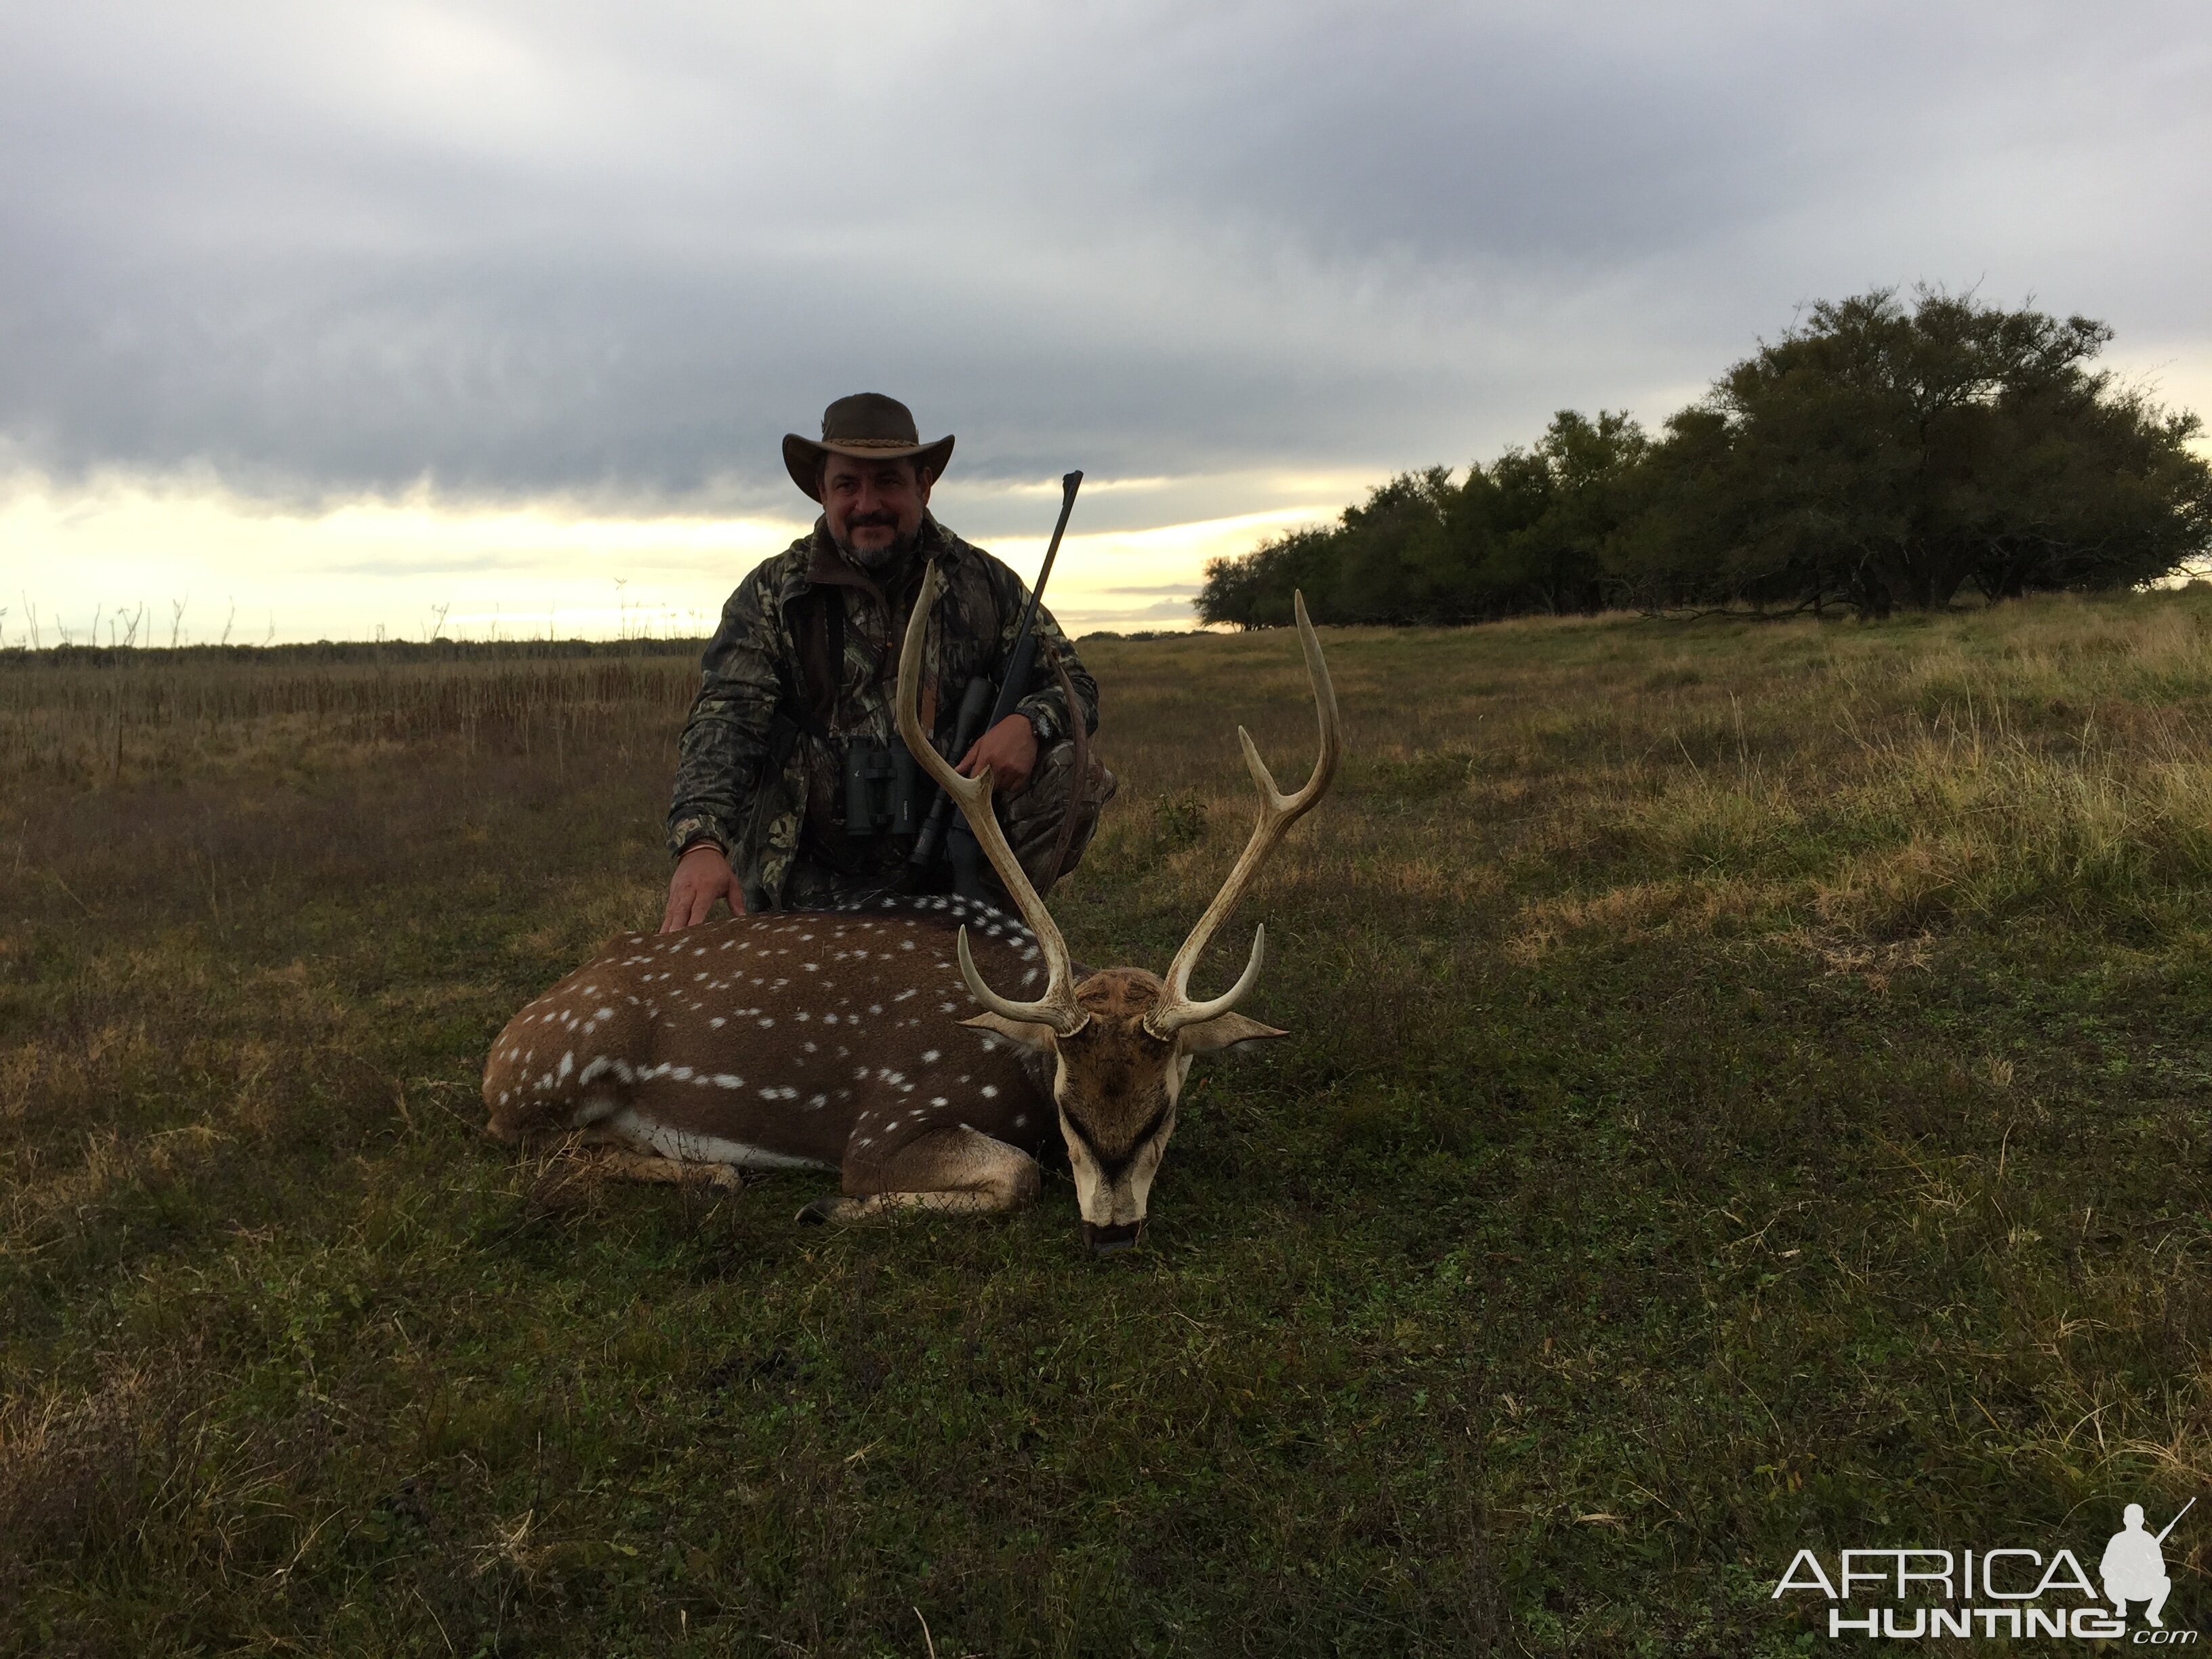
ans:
x=1877 y=455
x=1553 y=510
x=1525 y=534
x=1253 y=590
x=1892 y=455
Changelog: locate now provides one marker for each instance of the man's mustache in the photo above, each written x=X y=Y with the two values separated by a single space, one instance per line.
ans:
x=888 y=520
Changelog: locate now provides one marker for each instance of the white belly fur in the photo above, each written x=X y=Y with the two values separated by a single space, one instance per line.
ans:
x=685 y=1147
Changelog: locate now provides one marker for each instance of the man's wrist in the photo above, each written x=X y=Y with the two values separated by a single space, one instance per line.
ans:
x=1041 y=723
x=703 y=844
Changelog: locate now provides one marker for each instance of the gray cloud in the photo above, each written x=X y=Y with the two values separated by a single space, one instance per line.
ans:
x=615 y=252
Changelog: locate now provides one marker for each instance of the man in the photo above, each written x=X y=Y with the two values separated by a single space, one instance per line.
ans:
x=793 y=789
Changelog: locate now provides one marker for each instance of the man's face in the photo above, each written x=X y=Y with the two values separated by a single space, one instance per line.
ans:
x=873 y=507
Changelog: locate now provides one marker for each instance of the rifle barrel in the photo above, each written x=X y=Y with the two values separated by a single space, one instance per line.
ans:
x=1015 y=686
x=2176 y=1522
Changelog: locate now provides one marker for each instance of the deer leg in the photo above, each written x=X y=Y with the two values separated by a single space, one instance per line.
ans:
x=953 y=1171
x=646 y=1166
x=617 y=1160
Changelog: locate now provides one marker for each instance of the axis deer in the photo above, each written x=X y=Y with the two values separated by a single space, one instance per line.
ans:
x=836 y=1040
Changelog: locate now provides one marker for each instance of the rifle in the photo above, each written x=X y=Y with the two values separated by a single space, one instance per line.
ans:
x=2176 y=1522
x=940 y=826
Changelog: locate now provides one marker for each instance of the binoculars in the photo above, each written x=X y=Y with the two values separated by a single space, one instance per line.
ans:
x=882 y=789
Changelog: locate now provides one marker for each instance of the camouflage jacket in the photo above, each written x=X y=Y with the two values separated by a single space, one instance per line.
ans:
x=760 y=764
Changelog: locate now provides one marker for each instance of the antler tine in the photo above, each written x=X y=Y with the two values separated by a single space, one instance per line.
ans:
x=1057 y=1007
x=1278 y=812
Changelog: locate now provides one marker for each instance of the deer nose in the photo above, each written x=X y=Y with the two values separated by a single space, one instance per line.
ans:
x=1112 y=1240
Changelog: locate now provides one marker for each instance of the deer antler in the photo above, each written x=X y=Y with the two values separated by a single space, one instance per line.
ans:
x=1278 y=812
x=1057 y=1007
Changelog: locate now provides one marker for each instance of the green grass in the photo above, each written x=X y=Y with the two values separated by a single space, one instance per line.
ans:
x=1747 y=1091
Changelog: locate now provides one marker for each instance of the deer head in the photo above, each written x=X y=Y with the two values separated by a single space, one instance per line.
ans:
x=1121 y=1040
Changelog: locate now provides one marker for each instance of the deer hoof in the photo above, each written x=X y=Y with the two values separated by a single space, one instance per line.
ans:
x=820 y=1212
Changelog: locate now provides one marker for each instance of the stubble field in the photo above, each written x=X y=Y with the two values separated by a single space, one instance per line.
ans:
x=1747 y=1091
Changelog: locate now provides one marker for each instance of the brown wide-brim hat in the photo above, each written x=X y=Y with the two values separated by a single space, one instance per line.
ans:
x=868 y=427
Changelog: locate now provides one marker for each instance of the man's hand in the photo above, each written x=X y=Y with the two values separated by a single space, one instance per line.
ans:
x=702 y=875
x=1009 y=749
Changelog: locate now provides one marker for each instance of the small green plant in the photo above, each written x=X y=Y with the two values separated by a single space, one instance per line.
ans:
x=1178 y=821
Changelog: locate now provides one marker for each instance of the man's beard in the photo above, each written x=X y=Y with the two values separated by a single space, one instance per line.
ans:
x=885 y=557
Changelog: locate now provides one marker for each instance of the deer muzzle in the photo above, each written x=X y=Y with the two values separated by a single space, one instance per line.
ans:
x=1112 y=1240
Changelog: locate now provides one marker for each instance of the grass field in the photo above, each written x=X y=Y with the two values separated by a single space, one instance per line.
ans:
x=1747 y=1091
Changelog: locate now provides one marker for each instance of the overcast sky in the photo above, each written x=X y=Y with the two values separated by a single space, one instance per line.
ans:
x=341 y=308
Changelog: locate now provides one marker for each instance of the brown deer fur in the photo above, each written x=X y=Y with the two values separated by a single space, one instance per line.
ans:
x=799 y=1038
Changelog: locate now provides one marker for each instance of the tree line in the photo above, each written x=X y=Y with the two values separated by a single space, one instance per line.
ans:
x=1881 y=455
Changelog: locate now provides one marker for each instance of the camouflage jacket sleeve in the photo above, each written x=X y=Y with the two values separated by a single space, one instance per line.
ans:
x=725 y=739
x=1046 y=701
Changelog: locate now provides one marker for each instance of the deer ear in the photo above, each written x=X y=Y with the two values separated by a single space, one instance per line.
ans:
x=1224 y=1031
x=1029 y=1036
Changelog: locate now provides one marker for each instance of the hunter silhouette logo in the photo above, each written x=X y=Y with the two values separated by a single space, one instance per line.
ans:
x=2133 y=1567
x=2009 y=1591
